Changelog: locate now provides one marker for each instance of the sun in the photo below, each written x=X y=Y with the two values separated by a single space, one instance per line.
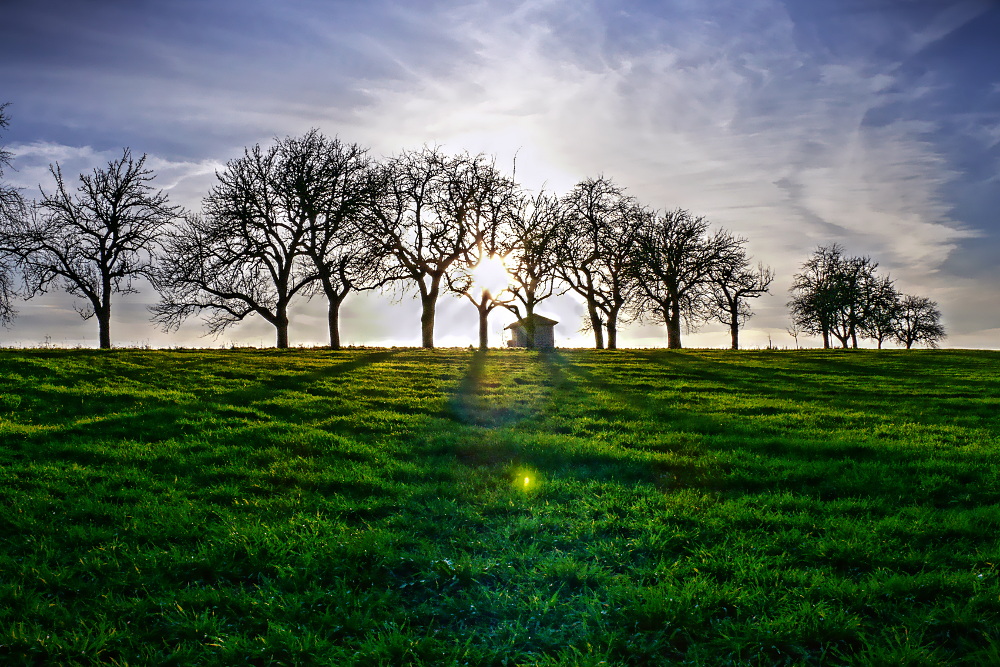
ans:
x=491 y=274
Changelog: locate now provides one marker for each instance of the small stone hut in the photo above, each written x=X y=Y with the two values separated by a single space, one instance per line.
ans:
x=544 y=333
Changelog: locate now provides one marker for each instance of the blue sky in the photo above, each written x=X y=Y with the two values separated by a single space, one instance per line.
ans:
x=872 y=123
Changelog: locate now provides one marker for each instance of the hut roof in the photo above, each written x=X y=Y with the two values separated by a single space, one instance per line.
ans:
x=539 y=319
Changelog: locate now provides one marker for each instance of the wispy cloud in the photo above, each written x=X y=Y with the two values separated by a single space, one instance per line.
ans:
x=746 y=127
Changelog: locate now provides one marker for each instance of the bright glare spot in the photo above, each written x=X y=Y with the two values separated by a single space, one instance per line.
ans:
x=491 y=274
x=525 y=480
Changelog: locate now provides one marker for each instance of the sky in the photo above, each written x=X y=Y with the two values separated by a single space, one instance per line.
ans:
x=793 y=123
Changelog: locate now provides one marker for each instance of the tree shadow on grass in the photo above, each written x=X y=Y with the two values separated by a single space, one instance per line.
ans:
x=501 y=438
x=852 y=381
x=720 y=453
x=126 y=418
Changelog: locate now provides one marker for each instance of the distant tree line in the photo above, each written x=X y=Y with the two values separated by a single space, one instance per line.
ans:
x=312 y=216
x=835 y=296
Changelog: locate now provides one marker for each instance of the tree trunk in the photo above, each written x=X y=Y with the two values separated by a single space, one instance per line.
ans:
x=427 y=323
x=428 y=303
x=102 y=311
x=595 y=323
x=281 y=325
x=734 y=332
x=826 y=338
x=333 y=319
x=674 y=326
x=613 y=331
x=529 y=328
x=484 y=313
x=104 y=329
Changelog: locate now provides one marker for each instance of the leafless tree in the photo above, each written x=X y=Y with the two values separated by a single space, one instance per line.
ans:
x=596 y=250
x=674 y=263
x=918 y=321
x=794 y=331
x=533 y=234
x=833 y=294
x=853 y=276
x=423 y=218
x=12 y=209
x=815 y=292
x=732 y=284
x=493 y=203
x=244 y=256
x=12 y=205
x=97 y=241
x=322 y=184
x=879 y=309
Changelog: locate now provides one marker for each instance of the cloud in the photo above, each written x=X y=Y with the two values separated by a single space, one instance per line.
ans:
x=715 y=123
x=945 y=21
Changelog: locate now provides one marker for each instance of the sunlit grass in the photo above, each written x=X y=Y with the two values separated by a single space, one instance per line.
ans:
x=451 y=507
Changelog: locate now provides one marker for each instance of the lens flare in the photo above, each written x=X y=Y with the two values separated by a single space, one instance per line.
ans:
x=526 y=480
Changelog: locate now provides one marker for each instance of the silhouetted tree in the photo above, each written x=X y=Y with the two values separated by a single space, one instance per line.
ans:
x=533 y=236
x=815 y=292
x=732 y=284
x=840 y=296
x=423 y=219
x=674 y=264
x=918 y=320
x=879 y=308
x=853 y=277
x=322 y=185
x=493 y=203
x=244 y=255
x=12 y=205
x=596 y=250
x=12 y=209
x=97 y=241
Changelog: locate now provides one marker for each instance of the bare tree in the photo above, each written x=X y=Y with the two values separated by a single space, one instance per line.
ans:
x=838 y=296
x=815 y=292
x=879 y=309
x=918 y=321
x=852 y=278
x=322 y=185
x=244 y=256
x=596 y=252
x=97 y=241
x=12 y=204
x=12 y=209
x=733 y=284
x=533 y=236
x=423 y=219
x=675 y=262
x=473 y=276
x=794 y=331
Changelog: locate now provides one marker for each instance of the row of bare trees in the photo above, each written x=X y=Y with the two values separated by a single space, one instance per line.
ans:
x=840 y=297
x=312 y=216
x=628 y=261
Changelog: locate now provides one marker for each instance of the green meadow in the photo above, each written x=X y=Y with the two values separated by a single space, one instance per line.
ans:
x=438 y=507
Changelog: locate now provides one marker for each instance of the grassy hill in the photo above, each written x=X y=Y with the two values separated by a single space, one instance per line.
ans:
x=508 y=508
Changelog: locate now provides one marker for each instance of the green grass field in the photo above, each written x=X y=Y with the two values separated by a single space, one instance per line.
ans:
x=420 y=507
